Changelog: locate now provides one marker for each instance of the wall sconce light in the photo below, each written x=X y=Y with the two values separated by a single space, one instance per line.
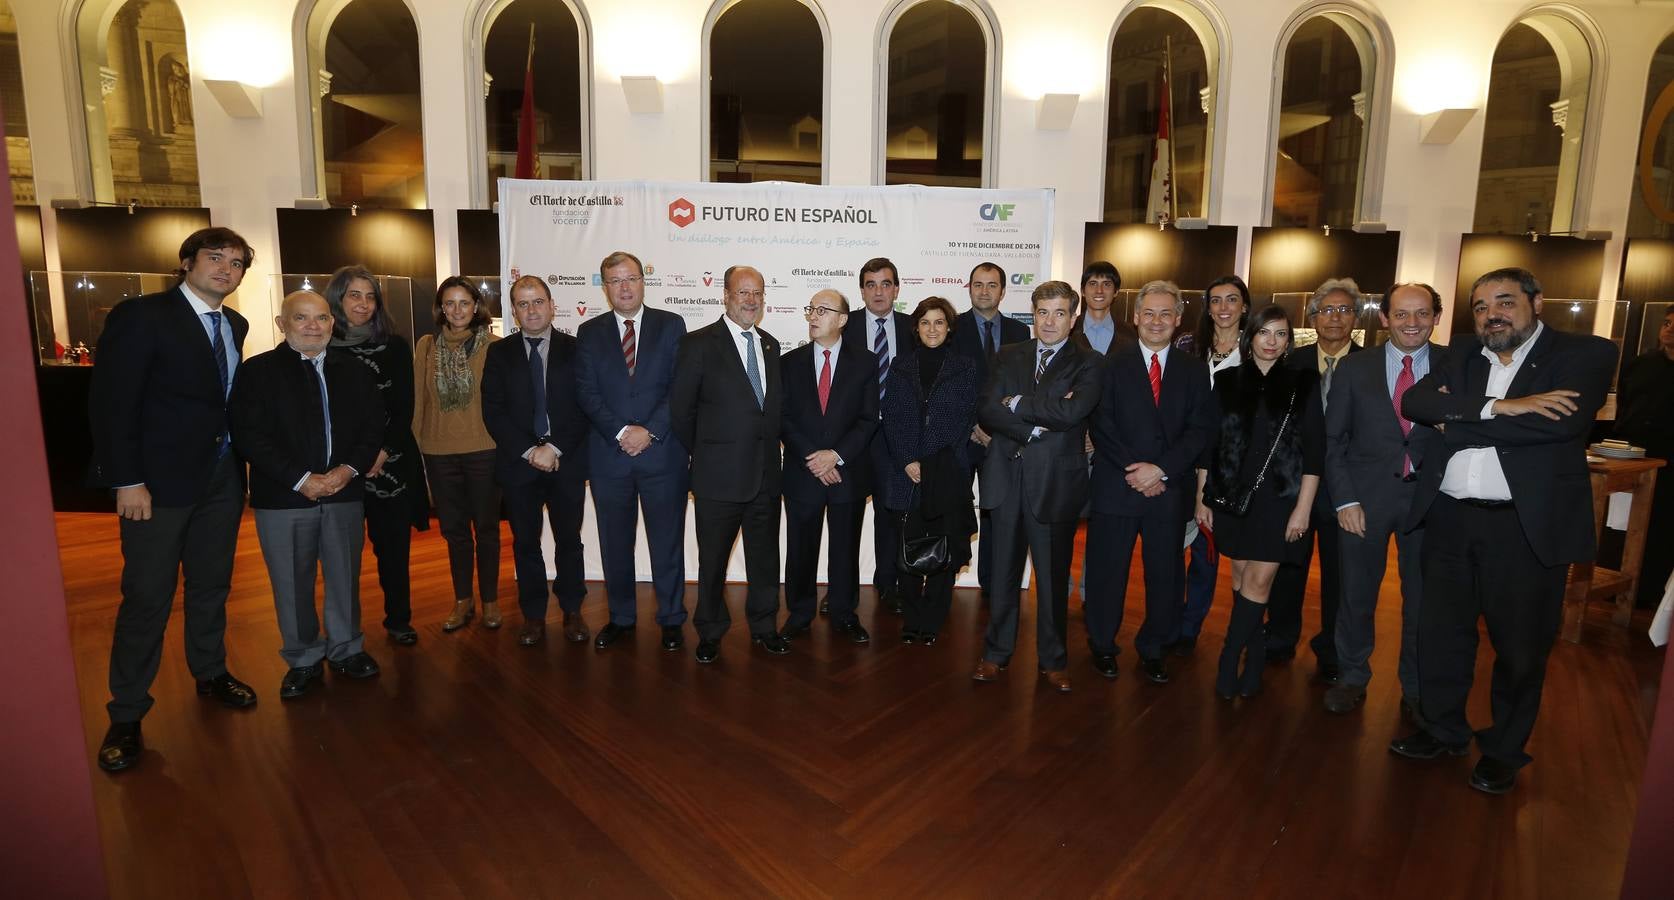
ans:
x=1371 y=227
x=1055 y=112
x=643 y=92
x=1443 y=125
x=1191 y=223
x=239 y=100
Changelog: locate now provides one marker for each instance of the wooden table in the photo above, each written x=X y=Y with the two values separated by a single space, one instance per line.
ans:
x=1591 y=582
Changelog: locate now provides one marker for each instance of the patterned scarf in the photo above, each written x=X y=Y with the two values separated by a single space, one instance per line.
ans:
x=454 y=384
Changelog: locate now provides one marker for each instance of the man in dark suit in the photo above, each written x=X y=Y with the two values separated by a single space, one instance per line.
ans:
x=624 y=369
x=1034 y=480
x=309 y=422
x=1154 y=418
x=530 y=408
x=158 y=411
x=1373 y=457
x=830 y=413
x=1507 y=507
x=888 y=334
x=1332 y=310
x=978 y=335
x=725 y=407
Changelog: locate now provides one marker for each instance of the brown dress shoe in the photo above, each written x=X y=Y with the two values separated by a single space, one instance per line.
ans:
x=575 y=630
x=491 y=615
x=986 y=671
x=463 y=610
x=532 y=633
x=1058 y=680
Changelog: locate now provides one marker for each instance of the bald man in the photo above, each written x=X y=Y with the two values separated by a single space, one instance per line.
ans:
x=309 y=422
x=830 y=414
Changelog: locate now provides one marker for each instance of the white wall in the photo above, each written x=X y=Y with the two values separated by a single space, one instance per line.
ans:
x=1442 y=53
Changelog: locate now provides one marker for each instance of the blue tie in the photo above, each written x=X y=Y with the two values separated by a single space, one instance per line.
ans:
x=318 y=363
x=880 y=346
x=537 y=378
x=218 y=345
x=992 y=347
x=752 y=369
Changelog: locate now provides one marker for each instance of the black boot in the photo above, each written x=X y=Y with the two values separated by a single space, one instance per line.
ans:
x=1249 y=683
x=1237 y=636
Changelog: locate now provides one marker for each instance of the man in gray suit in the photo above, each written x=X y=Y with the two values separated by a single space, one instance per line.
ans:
x=1371 y=464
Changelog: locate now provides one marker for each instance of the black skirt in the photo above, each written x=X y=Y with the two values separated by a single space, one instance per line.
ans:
x=1259 y=535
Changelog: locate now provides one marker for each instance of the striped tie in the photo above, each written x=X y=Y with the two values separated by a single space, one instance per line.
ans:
x=880 y=346
x=219 y=347
x=1045 y=360
x=629 y=346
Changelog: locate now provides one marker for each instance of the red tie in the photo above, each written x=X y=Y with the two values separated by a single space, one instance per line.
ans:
x=1156 y=380
x=825 y=382
x=1402 y=382
x=629 y=346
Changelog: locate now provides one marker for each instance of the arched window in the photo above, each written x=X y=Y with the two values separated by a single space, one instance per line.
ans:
x=937 y=109
x=21 y=165
x=766 y=128
x=368 y=131
x=1330 y=95
x=1154 y=41
x=1531 y=140
x=1651 y=211
x=137 y=90
x=555 y=30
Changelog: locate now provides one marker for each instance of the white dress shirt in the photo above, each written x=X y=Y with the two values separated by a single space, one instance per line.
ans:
x=819 y=360
x=753 y=347
x=1476 y=474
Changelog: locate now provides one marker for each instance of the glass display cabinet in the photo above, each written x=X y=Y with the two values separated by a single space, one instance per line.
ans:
x=88 y=297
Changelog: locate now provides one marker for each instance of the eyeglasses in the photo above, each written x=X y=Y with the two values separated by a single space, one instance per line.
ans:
x=1341 y=310
x=631 y=279
x=816 y=312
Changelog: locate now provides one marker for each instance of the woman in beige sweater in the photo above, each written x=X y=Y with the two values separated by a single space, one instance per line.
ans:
x=458 y=453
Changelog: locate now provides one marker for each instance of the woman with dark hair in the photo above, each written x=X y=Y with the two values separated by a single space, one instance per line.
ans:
x=396 y=501
x=458 y=451
x=928 y=411
x=1220 y=328
x=1257 y=481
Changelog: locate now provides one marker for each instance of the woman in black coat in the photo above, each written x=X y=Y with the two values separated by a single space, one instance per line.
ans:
x=928 y=411
x=396 y=501
x=1256 y=483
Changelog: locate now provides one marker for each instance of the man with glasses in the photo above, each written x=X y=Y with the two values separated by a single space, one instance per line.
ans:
x=888 y=334
x=830 y=415
x=624 y=369
x=1332 y=310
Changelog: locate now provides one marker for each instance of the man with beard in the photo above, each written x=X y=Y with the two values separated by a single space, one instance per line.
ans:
x=1507 y=506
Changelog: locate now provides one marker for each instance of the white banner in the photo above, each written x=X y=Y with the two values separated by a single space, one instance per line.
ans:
x=802 y=238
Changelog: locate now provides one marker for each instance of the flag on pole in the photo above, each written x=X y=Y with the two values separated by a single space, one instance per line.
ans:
x=526 y=122
x=1160 y=205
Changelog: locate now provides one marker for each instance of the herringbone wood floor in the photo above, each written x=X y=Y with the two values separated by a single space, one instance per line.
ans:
x=476 y=768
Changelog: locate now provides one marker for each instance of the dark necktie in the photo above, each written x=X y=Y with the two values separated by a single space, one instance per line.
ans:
x=1045 y=360
x=993 y=347
x=218 y=345
x=537 y=379
x=318 y=365
x=880 y=346
x=752 y=368
x=630 y=346
x=1325 y=380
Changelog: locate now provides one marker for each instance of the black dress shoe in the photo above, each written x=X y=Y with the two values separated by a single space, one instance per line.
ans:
x=1330 y=673
x=672 y=638
x=927 y=638
x=1280 y=654
x=1105 y=665
x=1155 y=670
x=609 y=634
x=1423 y=745
x=1183 y=646
x=122 y=747
x=708 y=651
x=908 y=636
x=855 y=633
x=792 y=632
x=299 y=680
x=825 y=606
x=360 y=665
x=228 y=691
x=772 y=642
x=1493 y=777
x=406 y=637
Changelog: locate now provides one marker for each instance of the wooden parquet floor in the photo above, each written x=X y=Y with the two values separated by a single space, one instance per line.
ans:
x=473 y=767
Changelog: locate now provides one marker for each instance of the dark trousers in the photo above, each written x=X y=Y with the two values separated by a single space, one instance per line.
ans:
x=1108 y=562
x=1478 y=565
x=1658 y=560
x=199 y=540
x=718 y=524
x=617 y=504
x=803 y=527
x=562 y=497
x=1364 y=561
x=389 y=525
x=886 y=528
x=1051 y=545
x=467 y=498
x=926 y=600
x=1200 y=584
x=1284 y=605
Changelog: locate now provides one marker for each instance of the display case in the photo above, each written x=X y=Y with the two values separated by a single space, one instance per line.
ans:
x=1127 y=300
x=1368 y=326
x=1650 y=328
x=397 y=291
x=489 y=287
x=88 y=297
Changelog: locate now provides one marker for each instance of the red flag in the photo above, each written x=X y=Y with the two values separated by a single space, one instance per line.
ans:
x=1159 y=206
x=526 y=123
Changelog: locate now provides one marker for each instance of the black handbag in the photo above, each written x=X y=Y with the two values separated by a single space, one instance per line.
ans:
x=1240 y=504
x=927 y=555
